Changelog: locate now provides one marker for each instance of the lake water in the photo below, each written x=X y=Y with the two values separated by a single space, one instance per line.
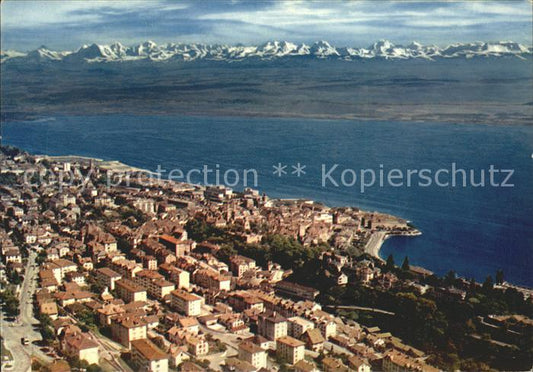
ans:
x=473 y=230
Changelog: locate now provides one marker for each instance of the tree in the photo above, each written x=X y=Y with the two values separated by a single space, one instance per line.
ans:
x=77 y=364
x=499 y=276
x=94 y=368
x=10 y=303
x=225 y=252
x=14 y=277
x=472 y=285
x=405 y=264
x=48 y=334
x=41 y=258
x=45 y=327
x=450 y=278
x=390 y=263
x=488 y=284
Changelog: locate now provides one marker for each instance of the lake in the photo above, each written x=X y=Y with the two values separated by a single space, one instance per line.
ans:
x=472 y=230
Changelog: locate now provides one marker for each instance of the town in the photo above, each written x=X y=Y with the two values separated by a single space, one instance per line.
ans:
x=159 y=275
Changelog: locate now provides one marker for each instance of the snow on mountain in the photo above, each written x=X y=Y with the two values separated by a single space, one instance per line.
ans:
x=417 y=50
x=150 y=51
x=7 y=54
x=323 y=49
x=145 y=49
x=92 y=53
x=382 y=47
x=43 y=54
x=485 y=49
x=119 y=50
x=277 y=49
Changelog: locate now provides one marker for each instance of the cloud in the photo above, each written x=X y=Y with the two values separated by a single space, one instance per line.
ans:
x=68 y=24
x=25 y=14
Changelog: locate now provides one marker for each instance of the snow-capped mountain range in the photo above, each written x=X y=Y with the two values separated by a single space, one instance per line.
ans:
x=150 y=51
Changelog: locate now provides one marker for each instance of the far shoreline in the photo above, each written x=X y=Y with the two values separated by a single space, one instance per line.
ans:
x=430 y=120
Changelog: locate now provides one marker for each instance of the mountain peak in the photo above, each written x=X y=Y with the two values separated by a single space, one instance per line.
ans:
x=149 y=43
x=274 y=49
x=414 y=45
x=323 y=49
x=382 y=44
x=322 y=43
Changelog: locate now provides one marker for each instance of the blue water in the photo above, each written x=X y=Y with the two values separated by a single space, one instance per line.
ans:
x=474 y=231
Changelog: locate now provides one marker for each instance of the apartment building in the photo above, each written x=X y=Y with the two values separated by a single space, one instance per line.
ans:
x=290 y=349
x=272 y=326
x=186 y=303
x=253 y=354
x=147 y=357
x=130 y=291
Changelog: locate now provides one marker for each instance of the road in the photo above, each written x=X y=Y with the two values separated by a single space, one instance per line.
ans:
x=110 y=351
x=229 y=339
x=23 y=326
x=374 y=243
x=361 y=308
x=494 y=342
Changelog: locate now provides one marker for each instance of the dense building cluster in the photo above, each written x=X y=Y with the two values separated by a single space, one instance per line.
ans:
x=119 y=277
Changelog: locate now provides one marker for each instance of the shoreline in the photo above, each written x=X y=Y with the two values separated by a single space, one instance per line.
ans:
x=372 y=247
x=378 y=238
x=38 y=117
x=107 y=165
x=374 y=244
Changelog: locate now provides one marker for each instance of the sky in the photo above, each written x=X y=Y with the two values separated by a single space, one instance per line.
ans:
x=66 y=25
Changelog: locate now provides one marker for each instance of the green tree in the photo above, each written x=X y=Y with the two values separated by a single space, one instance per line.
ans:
x=88 y=318
x=94 y=368
x=225 y=252
x=78 y=364
x=14 y=277
x=499 y=276
x=41 y=258
x=488 y=284
x=472 y=285
x=389 y=266
x=10 y=303
x=47 y=333
x=45 y=327
x=405 y=264
x=450 y=278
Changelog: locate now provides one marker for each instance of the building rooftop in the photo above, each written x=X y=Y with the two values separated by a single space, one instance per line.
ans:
x=62 y=263
x=148 y=349
x=131 y=321
x=80 y=341
x=334 y=364
x=300 y=321
x=149 y=274
x=169 y=239
x=274 y=318
x=314 y=336
x=290 y=341
x=305 y=366
x=234 y=364
x=185 y=296
x=250 y=347
x=129 y=285
x=188 y=322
